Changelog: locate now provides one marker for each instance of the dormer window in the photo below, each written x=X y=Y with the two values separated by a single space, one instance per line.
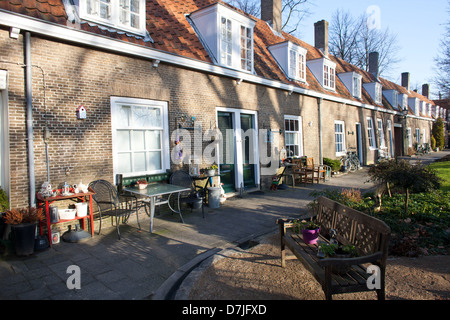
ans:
x=375 y=90
x=329 y=76
x=291 y=58
x=395 y=99
x=126 y=15
x=353 y=83
x=325 y=72
x=227 y=34
x=357 y=85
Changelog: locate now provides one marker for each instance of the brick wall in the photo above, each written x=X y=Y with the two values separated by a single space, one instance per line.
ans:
x=81 y=150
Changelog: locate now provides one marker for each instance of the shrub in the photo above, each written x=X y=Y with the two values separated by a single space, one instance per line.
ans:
x=4 y=203
x=409 y=177
x=438 y=133
x=334 y=164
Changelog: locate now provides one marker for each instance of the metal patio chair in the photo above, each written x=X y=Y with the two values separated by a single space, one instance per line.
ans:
x=194 y=197
x=109 y=204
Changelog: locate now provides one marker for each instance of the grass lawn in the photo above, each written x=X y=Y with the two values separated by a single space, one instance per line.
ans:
x=443 y=171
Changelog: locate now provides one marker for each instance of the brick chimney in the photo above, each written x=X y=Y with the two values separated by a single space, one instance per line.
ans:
x=426 y=90
x=405 y=80
x=321 y=36
x=373 y=63
x=271 y=13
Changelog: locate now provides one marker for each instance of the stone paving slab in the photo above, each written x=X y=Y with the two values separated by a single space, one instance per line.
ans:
x=136 y=266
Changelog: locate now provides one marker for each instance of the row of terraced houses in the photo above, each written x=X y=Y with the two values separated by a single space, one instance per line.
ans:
x=93 y=88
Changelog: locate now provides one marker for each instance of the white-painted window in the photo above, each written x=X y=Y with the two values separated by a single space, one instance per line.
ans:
x=357 y=86
x=246 y=48
x=339 y=137
x=371 y=134
x=293 y=136
x=409 y=137
x=226 y=42
x=381 y=140
x=122 y=14
x=329 y=77
x=297 y=65
x=140 y=136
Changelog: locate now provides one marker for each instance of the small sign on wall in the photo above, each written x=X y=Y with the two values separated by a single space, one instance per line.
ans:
x=81 y=112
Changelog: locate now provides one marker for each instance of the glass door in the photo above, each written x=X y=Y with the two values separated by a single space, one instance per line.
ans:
x=247 y=122
x=226 y=149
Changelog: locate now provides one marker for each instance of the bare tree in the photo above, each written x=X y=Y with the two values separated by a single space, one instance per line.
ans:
x=352 y=40
x=293 y=11
x=442 y=78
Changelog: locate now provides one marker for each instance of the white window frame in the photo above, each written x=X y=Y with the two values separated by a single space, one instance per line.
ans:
x=298 y=133
x=371 y=134
x=232 y=40
x=329 y=77
x=418 y=136
x=395 y=99
x=378 y=93
x=409 y=137
x=357 y=84
x=114 y=19
x=297 y=64
x=381 y=137
x=116 y=103
x=226 y=41
x=339 y=135
x=246 y=50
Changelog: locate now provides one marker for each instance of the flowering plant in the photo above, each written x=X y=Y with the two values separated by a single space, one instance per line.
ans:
x=142 y=181
x=213 y=167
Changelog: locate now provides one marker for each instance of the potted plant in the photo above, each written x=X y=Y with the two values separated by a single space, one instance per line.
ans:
x=211 y=171
x=142 y=184
x=331 y=250
x=310 y=231
x=23 y=228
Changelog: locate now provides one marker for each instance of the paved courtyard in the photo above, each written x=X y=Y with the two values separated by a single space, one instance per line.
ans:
x=139 y=264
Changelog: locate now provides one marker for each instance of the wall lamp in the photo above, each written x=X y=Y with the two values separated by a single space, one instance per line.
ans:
x=156 y=63
x=239 y=81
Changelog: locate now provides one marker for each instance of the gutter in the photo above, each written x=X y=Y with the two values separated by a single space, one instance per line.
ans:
x=29 y=118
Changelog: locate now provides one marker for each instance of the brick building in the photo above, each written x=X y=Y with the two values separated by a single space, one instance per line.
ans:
x=143 y=69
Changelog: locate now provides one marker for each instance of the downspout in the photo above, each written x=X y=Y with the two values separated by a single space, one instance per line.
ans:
x=29 y=118
x=319 y=102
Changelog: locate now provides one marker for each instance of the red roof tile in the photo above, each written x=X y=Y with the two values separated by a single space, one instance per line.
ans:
x=171 y=32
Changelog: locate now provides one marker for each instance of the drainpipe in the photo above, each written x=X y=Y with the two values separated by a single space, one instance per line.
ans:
x=29 y=118
x=319 y=102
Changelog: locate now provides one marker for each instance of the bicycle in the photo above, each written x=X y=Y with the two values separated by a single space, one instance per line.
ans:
x=351 y=161
x=382 y=155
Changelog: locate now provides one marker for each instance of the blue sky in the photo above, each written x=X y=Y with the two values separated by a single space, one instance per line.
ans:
x=418 y=25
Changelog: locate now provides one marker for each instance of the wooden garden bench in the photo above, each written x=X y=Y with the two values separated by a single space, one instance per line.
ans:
x=369 y=235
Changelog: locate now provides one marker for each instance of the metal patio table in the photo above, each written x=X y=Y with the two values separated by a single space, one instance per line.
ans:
x=153 y=191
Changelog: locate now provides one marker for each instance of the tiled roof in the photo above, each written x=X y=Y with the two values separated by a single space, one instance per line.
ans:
x=171 y=32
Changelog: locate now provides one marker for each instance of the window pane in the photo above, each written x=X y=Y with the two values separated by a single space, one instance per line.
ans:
x=124 y=162
x=139 y=162
x=123 y=140
x=154 y=160
x=144 y=117
x=123 y=118
x=286 y=125
x=153 y=139
x=138 y=140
